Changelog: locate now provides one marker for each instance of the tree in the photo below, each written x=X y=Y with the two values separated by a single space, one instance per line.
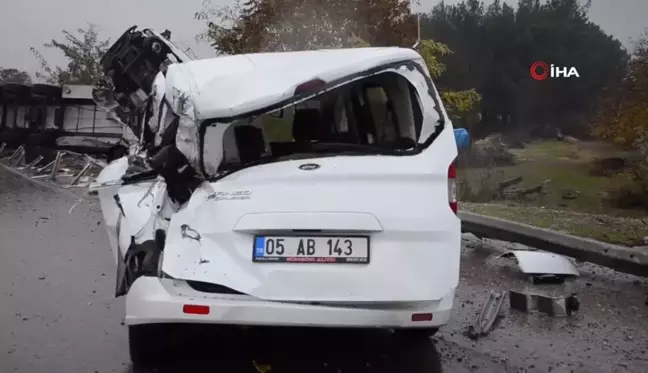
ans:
x=282 y=25
x=495 y=45
x=459 y=104
x=623 y=115
x=83 y=53
x=14 y=76
x=623 y=120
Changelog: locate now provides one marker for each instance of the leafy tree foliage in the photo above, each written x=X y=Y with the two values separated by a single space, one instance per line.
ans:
x=623 y=115
x=267 y=25
x=459 y=104
x=281 y=25
x=495 y=45
x=480 y=57
x=14 y=76
x=83 y=53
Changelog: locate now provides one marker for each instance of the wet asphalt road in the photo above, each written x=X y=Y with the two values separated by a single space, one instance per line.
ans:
x=58 y=314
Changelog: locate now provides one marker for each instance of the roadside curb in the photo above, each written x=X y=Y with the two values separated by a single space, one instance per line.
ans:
x=620 y=258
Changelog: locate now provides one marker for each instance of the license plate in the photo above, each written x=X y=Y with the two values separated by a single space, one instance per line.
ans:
x=315 y=249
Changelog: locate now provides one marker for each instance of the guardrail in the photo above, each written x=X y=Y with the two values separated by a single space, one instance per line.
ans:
x=620 y=258
x=66 y=169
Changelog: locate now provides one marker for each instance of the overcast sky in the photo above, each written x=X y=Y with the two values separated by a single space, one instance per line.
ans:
x=26 y=23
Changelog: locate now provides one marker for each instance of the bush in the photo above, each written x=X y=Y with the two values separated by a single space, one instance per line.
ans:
x=481 y=187
x=488 y=152
x=607 y=166
x=634 y=194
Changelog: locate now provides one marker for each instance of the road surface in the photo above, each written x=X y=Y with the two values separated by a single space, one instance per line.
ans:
x=58 y=314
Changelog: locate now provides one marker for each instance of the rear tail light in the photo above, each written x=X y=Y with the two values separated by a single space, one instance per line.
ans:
x=421 y=317
x=194 y=309
x=452 y=187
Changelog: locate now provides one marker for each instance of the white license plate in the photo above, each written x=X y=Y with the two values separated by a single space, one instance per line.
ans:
x=315 y=249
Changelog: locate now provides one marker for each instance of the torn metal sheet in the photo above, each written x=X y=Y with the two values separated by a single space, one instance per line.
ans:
x=542 y=263
x=552 y=306
x=490 y=311
x=522 y=301
x=487 y=316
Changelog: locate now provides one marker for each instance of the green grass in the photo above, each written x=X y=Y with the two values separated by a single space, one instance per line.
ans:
x=277 y=129
x=564 y=168
x=617 y=230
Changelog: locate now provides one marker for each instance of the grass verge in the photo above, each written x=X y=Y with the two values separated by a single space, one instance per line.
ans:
x=613 y=229
x=573 y=199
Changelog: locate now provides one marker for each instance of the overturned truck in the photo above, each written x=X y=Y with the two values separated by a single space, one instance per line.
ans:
x=310 y=188
x=53 y=117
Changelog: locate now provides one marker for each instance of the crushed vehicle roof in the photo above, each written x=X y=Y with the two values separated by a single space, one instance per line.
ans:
x=233 y=85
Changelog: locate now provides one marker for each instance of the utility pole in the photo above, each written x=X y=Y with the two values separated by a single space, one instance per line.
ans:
x=418 y=24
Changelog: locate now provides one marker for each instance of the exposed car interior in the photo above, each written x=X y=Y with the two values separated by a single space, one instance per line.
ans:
x=382 y=111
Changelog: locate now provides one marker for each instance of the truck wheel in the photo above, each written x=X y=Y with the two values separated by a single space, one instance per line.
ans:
x=146 y=344
x=416 y=335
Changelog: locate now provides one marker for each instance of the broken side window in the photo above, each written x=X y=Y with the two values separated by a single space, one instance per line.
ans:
x=379 y=111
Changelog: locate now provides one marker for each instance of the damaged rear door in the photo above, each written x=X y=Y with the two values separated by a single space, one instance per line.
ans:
x=132 y=211
x=340 y=228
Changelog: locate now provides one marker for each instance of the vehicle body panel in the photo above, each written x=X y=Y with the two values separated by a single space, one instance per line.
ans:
x=234 y=85
x=153 y=301
x=399 y=201
x=543 y=263
x=414 y=257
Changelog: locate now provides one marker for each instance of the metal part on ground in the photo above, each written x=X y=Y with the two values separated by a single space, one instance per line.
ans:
x=552 y=306
x=67 y=169
x=542 y=263
x=487 y=316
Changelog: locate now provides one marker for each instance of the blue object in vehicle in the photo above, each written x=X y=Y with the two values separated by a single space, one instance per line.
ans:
x=462 y=137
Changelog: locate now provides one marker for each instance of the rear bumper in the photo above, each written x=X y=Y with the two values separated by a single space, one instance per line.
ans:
x=152 y=300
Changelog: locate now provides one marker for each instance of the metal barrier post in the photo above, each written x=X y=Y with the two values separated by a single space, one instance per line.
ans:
x=40 y=170
x=55 y=167
x=33 y=163
x=16 y=161
x=15 y=153
x=80 y=174
x=98 y=162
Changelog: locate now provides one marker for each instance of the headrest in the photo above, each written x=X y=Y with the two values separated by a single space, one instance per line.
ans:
x=250 y=142
x=308 y=125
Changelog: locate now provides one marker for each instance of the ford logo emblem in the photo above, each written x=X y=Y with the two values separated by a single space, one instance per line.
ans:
x=309 y=166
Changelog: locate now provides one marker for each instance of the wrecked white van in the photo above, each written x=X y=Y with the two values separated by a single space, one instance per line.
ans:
x=321 y=194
